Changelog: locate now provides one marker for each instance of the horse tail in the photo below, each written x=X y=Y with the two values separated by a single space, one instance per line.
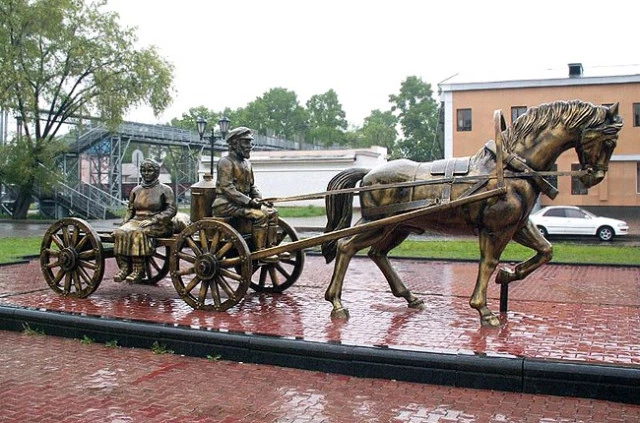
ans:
x=339 y=207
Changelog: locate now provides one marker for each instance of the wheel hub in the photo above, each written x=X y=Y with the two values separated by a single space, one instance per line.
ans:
x=206 y=266
x=68 y=259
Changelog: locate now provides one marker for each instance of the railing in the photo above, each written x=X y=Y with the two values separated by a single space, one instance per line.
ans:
x=100 y=196
x=86 y=139
x=86 y=200
x=159 y=132
x=172 y=135
x=271 y=143
x=80 y=204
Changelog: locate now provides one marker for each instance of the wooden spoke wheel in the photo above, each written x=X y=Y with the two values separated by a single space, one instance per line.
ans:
x=72 y=258
x=210 y=265
x=276 y=277
x=156 y=266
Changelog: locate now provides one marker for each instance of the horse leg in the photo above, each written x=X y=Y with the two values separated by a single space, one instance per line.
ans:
x=530 y=237
x=378 y=253
x=346 y=249
x=491 y=247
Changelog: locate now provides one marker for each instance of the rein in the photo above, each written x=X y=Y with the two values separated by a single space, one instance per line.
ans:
x=451 y=180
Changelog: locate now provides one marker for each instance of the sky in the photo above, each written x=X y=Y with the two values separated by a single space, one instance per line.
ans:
x=228 y=53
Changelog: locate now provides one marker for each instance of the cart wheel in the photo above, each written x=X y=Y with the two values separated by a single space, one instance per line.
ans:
x=156 y=266
x=210 y=266
x=276 y=277
x=72 y=258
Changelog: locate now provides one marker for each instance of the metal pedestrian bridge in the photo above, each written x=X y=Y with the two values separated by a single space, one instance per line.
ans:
x=93 y=164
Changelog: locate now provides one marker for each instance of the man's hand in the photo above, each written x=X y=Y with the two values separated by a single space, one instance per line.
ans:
x=146 y=222
x=255 y=203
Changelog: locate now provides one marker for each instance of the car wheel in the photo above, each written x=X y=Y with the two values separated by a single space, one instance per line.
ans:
x=605 y=233
x=543 y=231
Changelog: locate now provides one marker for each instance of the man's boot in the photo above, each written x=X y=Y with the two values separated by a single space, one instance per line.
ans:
x=260 y=242
x=137 y=273
x=125 y=268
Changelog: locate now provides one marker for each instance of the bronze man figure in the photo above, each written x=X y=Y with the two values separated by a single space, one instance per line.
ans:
x=149 y=214
x=238 y=196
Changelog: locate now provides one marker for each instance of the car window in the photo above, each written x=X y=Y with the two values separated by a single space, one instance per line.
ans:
x=555 y=213
x=576 y=214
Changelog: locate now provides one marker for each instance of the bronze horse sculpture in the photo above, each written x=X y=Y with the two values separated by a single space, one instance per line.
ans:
x=532 y=144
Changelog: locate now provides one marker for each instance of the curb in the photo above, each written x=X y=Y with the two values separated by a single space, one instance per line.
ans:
x=513 y=374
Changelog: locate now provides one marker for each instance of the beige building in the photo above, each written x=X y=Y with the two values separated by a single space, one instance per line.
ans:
x=469 y=104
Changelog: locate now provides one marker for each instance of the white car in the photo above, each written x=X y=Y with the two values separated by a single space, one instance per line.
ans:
x=571 y=220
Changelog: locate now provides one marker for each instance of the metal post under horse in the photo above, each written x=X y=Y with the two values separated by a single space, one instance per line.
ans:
x=533 y=143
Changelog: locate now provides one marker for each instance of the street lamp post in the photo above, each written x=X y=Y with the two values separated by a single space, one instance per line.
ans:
x=223 y=124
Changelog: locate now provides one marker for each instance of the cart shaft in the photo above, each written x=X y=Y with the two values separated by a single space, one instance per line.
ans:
x=354 y=230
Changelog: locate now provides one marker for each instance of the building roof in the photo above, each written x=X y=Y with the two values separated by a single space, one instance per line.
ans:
x=317 y=155
x=527 y=78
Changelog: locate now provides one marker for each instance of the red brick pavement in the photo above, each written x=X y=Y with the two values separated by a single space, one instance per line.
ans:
x=584 y=313
x=47 y=379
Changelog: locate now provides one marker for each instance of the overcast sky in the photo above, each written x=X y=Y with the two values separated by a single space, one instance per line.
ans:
x=227 y=53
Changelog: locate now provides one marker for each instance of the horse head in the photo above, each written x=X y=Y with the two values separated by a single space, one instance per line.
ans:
x=595 y=147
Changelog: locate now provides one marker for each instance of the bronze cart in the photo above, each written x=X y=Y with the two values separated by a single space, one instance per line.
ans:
x=210 y=262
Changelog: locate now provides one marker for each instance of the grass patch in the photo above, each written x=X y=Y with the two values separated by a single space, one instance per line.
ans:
x=87 y=340
x=28 y=330
x=307 y=211
x=563 y=252
x=158 y=348
x=13 y=249
x=111 y=344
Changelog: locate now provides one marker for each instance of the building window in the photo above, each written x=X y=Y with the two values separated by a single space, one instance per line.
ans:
x=577 y=187
x=637 y=177
x=517 y=111
x=464 y=119
x=636 y=114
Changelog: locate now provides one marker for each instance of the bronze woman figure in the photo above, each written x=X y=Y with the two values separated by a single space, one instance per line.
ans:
x=149 y=215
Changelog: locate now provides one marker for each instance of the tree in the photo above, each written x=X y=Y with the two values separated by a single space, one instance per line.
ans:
x=188 y=120
x=277 y=113
x=327 y=121
x=60 y=59
x=379 y=128
x=417 y=113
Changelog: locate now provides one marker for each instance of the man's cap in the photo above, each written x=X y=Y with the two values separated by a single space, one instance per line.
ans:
x=240 y=133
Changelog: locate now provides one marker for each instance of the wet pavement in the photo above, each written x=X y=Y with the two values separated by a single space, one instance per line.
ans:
x=561 y=314
x=49 y=379
x=576 y=326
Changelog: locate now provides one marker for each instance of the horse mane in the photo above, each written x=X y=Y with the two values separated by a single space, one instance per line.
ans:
x=574 y=114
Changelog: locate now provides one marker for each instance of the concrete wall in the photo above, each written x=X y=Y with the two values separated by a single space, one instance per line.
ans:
x=295 y=173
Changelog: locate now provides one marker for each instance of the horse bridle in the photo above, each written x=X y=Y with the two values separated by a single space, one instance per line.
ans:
x=607 y=135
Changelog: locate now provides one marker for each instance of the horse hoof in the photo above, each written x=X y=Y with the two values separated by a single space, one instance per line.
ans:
x=340 y=313
x=504 y=276
x=490 y=321
x=417 y=304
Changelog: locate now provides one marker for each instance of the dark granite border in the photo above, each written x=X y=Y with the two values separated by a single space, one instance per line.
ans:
x=578 y=379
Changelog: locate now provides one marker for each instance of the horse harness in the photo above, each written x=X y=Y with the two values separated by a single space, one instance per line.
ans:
x=514 y=163
x=450 y=170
